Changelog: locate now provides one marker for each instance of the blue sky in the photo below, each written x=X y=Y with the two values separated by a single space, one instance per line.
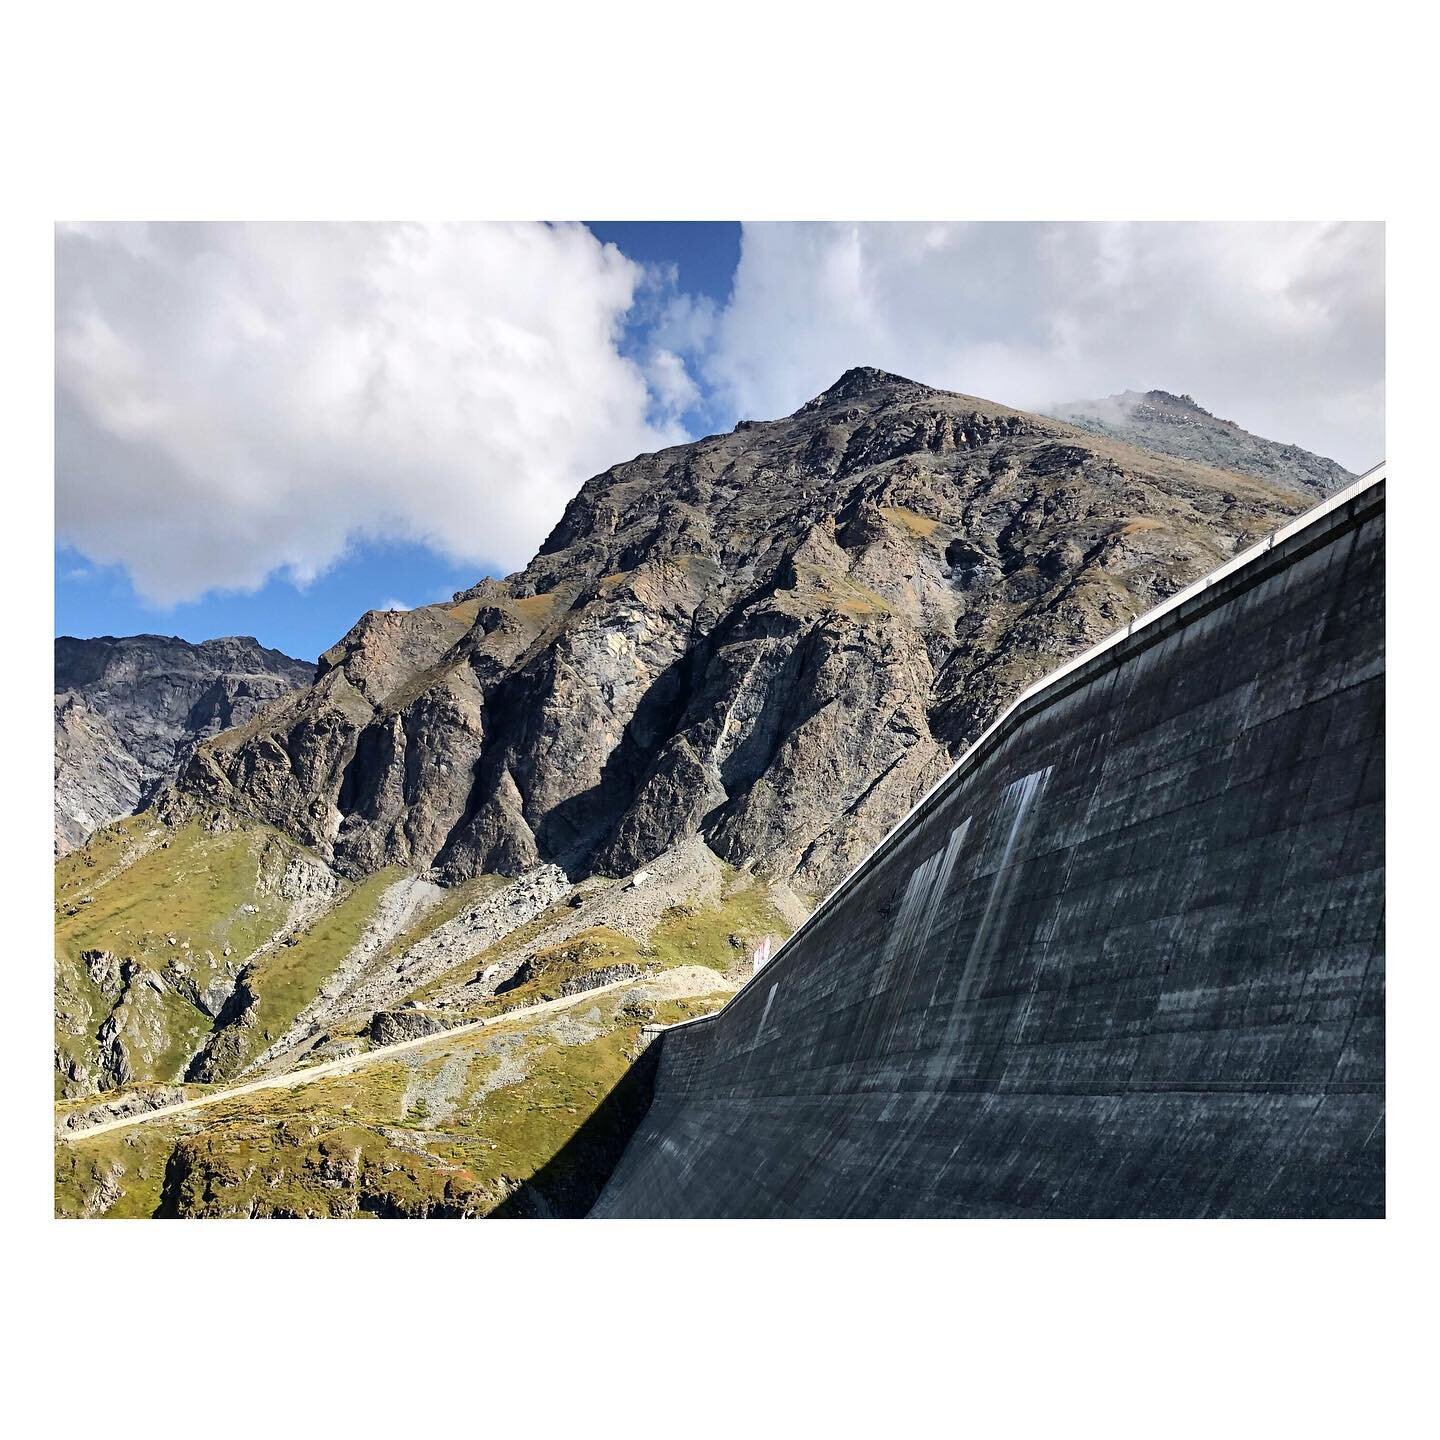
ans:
x=302 y=621
x=267 y=430
x=705 y=253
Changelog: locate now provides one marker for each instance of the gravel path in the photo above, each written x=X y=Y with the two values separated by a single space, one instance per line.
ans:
x=343 y=1067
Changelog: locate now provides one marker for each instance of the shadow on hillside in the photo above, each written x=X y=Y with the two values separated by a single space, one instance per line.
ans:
x=570 y=1182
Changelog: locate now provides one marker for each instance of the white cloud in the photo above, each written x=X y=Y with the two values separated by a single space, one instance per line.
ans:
x=685 y=322
x=675 y=392
x=232 y=401
x=1279 y=327
x=236 y=400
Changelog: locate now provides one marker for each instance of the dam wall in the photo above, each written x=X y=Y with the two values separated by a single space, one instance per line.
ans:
x=1127 y=959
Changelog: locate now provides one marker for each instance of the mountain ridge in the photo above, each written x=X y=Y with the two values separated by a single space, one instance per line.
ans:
x=669 y=662
x=130 y=709
x=1178 y=425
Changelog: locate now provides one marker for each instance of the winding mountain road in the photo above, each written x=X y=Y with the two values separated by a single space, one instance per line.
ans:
x=304 y=1076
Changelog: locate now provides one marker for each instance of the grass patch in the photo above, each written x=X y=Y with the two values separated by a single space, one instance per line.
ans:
x=168 y=900
x=107 y=852
x=702 y=934
x=911 y=521
x=184 y=1029
x=465 y=612
x=288 y=978
x=529 y=1123
x=549 y=969
x=815 y=587
x=192 y=886
x=690 y=1007
x=536 y=609
x=118 y=1175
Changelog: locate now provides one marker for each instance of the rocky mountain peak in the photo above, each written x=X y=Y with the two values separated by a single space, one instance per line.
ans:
x=772 y=639
x=1178 y=425
x=1179 y=402
x=862 y=382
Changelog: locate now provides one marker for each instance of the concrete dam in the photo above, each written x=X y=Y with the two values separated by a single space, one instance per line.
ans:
x=1126 y=959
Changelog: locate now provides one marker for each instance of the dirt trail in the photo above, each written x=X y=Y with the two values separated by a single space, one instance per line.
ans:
x=350 y=1062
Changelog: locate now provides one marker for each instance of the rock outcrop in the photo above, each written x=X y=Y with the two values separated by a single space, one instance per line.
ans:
x=129 y=712
x=1175 y=425
x=775 y=639
x=390 y=1027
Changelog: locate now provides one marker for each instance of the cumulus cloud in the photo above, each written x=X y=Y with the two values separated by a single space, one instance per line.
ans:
x=1277 y=326
x=235 y=400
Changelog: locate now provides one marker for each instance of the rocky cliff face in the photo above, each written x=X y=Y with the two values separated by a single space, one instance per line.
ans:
x=1176 y=425
x=129 y=712
x=775 y=639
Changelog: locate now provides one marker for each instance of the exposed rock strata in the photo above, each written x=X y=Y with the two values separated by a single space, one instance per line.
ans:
x=775 y=639
x=129 y=712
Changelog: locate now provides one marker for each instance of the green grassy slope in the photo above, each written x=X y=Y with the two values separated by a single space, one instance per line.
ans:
x=287 y=978
x=184 y=905
x=523 y=1119
x=520 y=1118
x=153 y=928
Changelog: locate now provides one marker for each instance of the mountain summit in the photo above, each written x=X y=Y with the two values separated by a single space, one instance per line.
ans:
x=1177 y=425
x=774 y=639
x=866 y=381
